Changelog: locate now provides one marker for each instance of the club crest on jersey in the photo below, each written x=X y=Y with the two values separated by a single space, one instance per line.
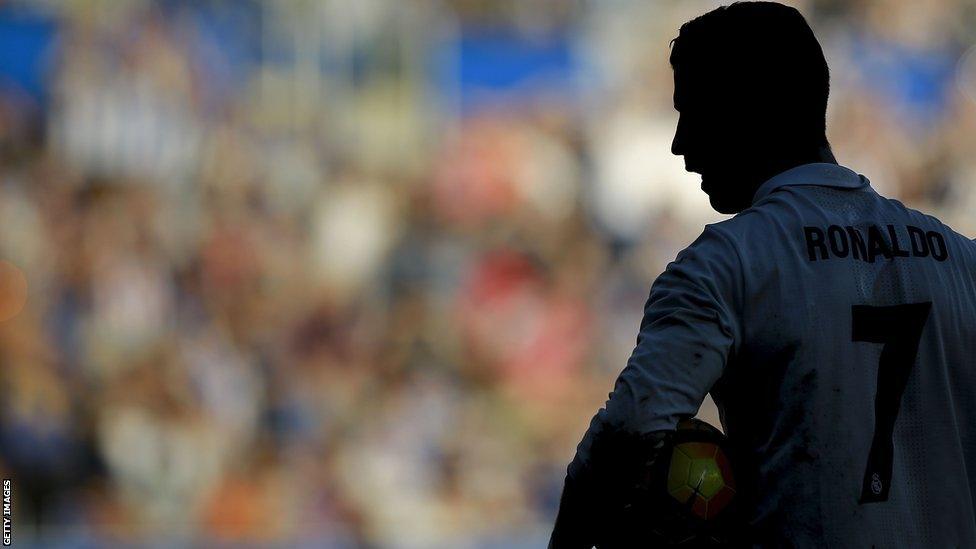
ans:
x=876 y=484
x=871 y=242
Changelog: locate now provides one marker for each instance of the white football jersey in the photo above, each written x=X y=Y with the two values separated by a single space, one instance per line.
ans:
x=836 y=331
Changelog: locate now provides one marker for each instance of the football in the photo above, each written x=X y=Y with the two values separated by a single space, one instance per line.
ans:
x=688 y=494
x=700 y=474
x=698 y=502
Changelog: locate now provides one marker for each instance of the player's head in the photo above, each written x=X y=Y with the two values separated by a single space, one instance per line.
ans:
x=751 y=85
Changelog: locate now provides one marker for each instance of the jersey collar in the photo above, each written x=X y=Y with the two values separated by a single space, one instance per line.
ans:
x=817 y=173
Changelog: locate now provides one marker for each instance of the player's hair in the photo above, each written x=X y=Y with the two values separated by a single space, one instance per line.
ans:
x=764 y=57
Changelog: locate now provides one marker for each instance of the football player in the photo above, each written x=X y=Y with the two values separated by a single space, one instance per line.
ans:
x=834 y=327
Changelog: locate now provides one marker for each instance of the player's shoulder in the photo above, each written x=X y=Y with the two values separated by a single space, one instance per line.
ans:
x=745 y=226
x=923 y=218
x=729 y=236
x=965 y=244
x=716 y=237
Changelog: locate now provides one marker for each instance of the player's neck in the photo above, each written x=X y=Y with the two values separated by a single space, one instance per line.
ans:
x=822 y=154
x=791 y=159
x=785 y=160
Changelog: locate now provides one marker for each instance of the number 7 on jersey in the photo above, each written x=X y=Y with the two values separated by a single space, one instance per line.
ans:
x=899 y=329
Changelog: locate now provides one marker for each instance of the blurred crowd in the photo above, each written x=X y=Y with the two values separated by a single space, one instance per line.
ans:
x=357 y=273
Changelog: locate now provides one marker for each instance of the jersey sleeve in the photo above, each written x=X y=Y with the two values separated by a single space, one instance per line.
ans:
x=688 y=331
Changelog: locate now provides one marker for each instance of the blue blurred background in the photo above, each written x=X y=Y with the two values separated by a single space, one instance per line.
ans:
x=357 y=273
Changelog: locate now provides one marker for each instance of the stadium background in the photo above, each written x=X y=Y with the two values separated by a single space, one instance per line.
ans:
x=351 y=273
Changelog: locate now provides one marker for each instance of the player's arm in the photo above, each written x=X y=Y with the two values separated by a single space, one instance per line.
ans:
x=688 y=331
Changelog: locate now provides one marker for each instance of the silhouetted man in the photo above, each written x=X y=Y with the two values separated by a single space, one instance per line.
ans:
x=834 y=327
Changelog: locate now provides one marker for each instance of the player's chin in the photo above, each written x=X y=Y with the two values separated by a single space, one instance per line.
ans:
x=722 y=201
x=723 y=204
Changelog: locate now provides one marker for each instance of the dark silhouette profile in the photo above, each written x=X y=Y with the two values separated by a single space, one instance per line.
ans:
x=833 y=327
x=751 y=85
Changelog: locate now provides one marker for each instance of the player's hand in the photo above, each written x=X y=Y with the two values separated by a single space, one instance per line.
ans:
x=603 y=502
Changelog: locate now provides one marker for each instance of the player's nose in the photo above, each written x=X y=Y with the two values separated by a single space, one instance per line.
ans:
x=678 y=142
